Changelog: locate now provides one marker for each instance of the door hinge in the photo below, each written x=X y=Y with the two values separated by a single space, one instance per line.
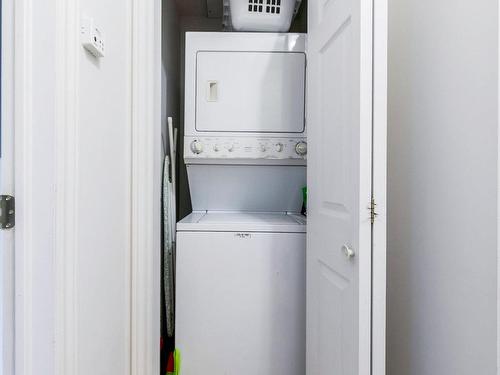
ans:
x=373 y=212
x=7 y=212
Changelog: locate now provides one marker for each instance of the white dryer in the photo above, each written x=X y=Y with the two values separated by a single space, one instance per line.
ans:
x=241 y=294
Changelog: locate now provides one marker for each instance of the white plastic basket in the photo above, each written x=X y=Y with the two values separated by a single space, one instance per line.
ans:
x=261 y=15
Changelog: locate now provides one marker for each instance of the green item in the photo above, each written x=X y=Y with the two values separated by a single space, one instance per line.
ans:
x=304 y=198
x=177 y=362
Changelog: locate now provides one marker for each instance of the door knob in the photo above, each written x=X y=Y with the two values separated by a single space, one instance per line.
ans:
x=348 y=251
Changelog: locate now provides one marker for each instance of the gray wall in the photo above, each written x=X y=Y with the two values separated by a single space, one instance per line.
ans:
x=170 y=104
x=442 y=244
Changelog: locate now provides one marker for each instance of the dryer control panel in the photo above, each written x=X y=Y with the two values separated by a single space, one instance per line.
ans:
x=204 y=149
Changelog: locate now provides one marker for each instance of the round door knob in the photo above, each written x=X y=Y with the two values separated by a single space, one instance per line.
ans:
x=301 y=148
x=348 y=251
x=197 y=147
x=279 y=147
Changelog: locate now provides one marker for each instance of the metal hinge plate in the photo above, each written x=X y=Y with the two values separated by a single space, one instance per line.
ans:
x=373 y=213
x=7 y=212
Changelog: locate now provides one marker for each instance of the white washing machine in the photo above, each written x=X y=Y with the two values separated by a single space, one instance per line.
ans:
x=241 y=293
x=240 y=279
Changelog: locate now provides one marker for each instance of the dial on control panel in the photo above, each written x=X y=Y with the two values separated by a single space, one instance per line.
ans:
x=301 y=148
x=197 y=147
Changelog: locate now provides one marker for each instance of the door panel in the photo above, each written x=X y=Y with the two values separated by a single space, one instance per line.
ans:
x=339 y=182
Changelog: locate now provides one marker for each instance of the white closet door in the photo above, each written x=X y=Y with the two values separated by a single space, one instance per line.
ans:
x=339 y=256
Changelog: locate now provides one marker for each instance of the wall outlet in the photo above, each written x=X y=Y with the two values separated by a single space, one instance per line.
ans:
x=92 y=37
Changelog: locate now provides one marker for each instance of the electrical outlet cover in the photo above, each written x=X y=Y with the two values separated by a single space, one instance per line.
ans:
x=92 y=37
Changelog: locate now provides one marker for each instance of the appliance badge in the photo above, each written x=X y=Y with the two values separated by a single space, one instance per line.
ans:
x=244 y=236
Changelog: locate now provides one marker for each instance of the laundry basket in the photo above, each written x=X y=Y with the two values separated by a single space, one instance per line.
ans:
x=262 y=15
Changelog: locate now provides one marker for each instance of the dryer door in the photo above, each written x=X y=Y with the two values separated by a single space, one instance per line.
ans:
x=258 y=92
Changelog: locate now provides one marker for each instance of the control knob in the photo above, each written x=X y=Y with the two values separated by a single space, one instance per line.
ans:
x=279 y=147
x=301 y=148
x=197 y=147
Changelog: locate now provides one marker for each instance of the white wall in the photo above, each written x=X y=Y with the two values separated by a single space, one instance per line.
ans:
x=103 y=210
x=100 y=275
x=73 y=118
x=442 y=208
x=43 y=175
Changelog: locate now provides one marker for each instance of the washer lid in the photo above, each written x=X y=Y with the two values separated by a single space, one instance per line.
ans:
x=242 y=222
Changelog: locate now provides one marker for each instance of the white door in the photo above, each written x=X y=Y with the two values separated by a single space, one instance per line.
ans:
x=339 y=256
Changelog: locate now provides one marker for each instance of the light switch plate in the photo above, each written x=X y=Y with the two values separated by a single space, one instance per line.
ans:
x=92 y=37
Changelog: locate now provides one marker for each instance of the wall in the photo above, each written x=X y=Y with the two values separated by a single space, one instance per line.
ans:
x=104 y=195
x=170 y=68
x=43 y=170
x=442 y=208
x=73 y=123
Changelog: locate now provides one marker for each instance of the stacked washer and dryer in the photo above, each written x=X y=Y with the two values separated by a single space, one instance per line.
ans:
x=240 y=278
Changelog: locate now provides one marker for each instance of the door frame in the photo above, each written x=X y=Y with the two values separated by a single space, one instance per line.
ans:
x=498 y=197
x=379 y=188
x=146 y=182
x=19 y=109
x=146 y=186
x=19 y=93
x=7 y=183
